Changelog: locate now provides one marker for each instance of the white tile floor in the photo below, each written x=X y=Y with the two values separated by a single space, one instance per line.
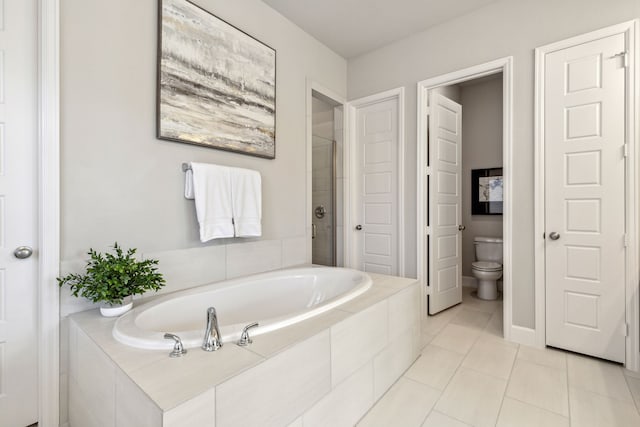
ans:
x=467 y=375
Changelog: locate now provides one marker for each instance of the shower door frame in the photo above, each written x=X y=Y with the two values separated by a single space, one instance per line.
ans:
x=334 y=210
x=313 y=86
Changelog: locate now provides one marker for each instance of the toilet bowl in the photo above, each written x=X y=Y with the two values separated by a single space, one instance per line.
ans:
x=488 y=267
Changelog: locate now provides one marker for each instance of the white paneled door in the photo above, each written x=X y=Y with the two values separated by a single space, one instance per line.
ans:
x=377 y=206
x=445 y=199
x=584 y=119
x=18 y=137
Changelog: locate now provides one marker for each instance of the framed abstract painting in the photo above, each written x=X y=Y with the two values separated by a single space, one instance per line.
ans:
x=486 y=191
x=216 y=84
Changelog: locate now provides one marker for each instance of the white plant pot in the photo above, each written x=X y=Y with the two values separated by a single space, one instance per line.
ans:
x=115 y=311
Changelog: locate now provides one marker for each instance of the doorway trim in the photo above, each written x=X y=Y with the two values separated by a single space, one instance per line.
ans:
x=631 y=30
x=504 y=66
x=48 y=212
x=349 y=221
x=313 y=86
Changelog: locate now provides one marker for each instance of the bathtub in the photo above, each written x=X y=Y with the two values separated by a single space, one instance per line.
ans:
x=275 y=300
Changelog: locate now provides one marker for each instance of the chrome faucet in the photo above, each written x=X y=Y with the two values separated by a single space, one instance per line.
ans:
x=211 y=340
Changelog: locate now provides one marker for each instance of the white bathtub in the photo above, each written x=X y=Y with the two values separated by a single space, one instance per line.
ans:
x=275 y=300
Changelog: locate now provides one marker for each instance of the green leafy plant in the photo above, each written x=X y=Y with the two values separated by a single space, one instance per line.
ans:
x=112 y=277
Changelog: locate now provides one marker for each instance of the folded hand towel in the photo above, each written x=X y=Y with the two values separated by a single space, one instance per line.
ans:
x=246 y=201
x=212 y=193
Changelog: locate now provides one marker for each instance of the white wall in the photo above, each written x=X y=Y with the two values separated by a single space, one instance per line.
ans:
x=504 y=28
x=120 y=183
x=481 y=148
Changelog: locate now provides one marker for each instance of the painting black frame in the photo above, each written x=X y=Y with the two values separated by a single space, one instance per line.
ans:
x=479 y=207
x=271 y=154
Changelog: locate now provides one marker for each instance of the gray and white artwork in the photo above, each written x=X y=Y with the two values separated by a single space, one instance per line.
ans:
x=490 y=189
x=216 y=83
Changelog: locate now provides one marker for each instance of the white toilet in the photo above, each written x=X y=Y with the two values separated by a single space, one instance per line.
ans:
x=488 y=266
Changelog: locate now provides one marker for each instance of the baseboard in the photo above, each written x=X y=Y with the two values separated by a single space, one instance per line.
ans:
x=469 y=282
x=522 y=335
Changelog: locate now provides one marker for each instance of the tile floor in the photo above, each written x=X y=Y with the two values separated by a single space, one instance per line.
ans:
x=467 y=375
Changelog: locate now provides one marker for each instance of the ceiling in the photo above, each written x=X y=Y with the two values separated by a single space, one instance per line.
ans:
x=354 y=27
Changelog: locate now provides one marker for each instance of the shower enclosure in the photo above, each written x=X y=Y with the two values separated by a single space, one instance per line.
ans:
x=323 y=201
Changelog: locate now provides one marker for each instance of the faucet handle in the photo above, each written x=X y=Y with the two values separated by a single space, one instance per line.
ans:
x=245 y=339
x=178 y=348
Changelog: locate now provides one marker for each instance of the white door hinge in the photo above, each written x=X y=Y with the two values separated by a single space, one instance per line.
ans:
x=427 y=111
x=625 y=150
x=429 y=170
x=626 y=240
x=428 y=289
x=625 y=329
x=625 y=58
x=428 y=230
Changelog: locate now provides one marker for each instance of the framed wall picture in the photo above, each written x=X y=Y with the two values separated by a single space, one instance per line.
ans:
x=216 y=84
x=486 y=191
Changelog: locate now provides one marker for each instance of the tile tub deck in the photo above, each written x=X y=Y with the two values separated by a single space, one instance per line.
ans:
x=328 y=370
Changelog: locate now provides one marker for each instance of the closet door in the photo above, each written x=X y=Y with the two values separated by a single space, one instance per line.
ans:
x=584 y=119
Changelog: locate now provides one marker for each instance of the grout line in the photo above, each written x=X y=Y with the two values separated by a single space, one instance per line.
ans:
x=635 y=401
x=504 y=395
x=549 y=411
x=568 y=389
x=446 y=386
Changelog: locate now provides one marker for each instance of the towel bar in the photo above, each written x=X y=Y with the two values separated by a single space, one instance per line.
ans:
x=186 y=167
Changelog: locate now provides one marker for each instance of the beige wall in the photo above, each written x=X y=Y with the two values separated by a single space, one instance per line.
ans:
x=504 y=28
x=452 y=92
x=322 y=118
x=481 y=148
x=120 y=183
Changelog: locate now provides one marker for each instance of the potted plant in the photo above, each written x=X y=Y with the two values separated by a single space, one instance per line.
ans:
x=113 y=279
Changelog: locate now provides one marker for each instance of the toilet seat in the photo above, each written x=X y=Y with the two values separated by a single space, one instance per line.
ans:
x=486 y=266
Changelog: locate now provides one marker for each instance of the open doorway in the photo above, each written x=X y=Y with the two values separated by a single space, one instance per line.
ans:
x=327 y=148
x=465 y=192
x=464 y=134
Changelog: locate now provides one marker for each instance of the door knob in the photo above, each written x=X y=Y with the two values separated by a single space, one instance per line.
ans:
x=461 y=228
x=23 y=252
x=358 y=227
x=320 y=212
x=554 y=236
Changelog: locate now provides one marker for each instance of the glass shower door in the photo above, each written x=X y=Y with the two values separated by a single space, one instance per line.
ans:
x=323 y=202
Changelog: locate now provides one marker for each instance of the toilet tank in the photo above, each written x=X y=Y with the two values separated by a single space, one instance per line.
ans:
x=488 y=249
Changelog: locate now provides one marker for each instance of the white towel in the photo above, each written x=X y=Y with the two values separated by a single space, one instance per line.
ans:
x=246 y=201
x=210 y=185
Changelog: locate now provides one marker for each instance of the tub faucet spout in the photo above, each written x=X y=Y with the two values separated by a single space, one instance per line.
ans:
x=211 y=340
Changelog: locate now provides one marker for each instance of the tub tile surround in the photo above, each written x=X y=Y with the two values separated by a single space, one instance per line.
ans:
x=187 y=268
x=286 y=377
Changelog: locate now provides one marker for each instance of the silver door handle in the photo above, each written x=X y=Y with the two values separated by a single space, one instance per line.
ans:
x=554 y=236
x=358 y=227
x=23 y=252
x=461 y=228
